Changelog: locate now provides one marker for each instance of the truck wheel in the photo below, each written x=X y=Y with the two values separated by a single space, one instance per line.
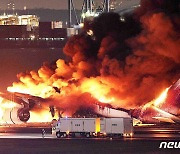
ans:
x=64 y=135
x=73 y=135
x=87 y=135
x=58 y=134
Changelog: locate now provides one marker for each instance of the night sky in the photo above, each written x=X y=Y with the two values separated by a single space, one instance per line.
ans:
x=14 y=61
x=53 y=4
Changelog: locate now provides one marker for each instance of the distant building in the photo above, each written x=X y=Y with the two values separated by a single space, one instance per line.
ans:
x=26 y=31
x=32 y=20
x=9 y=20
x=13 y=19
x=56 y=24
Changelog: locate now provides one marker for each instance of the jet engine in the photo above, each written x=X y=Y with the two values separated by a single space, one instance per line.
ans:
x=16 y=115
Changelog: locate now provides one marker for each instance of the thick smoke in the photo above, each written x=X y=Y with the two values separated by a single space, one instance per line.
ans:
x=124 y=63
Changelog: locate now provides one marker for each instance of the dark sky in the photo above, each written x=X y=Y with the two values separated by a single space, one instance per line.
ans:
x=14 y=61
x=54 y=4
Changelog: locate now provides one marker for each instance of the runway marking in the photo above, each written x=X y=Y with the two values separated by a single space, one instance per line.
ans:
x=25 y=136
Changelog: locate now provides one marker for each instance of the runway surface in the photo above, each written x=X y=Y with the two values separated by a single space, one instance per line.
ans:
x=50 y=136
x=95 y=146
x=141 y=142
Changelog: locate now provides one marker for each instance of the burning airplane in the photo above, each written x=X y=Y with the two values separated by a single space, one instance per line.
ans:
x=122 y=64
x=20 y=105
x=165 y=108
x=16 y=107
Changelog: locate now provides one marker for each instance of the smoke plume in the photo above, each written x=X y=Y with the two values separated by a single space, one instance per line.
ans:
x=123 y=63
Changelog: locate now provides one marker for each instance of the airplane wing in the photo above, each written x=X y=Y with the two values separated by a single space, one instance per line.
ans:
x=164 y=119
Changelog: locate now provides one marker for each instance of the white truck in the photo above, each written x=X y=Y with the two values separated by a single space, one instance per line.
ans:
x=93 y=127
x=74 y=127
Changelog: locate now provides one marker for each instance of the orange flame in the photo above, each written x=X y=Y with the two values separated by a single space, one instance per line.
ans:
x=5 y=104
x=43 y=116
x=159 y=100
x=1 y=110
x=98 y=90
x=42 y=90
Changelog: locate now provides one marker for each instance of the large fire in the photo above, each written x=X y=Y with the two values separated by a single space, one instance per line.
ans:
x=159 y=100
x=5 y=104
x=119 y=65
x=96 y=91
x=42 y=116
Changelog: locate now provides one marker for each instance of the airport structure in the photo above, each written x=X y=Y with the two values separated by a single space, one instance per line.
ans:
x=89 y=9
x=26 y=31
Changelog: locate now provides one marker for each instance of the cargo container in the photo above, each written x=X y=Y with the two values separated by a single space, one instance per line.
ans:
x=116 y=126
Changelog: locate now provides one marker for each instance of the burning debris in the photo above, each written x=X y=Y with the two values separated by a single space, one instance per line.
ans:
x=124 y=64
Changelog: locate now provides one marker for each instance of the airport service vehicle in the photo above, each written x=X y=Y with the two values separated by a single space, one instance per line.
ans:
x=74 y=127
x=92 y=127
